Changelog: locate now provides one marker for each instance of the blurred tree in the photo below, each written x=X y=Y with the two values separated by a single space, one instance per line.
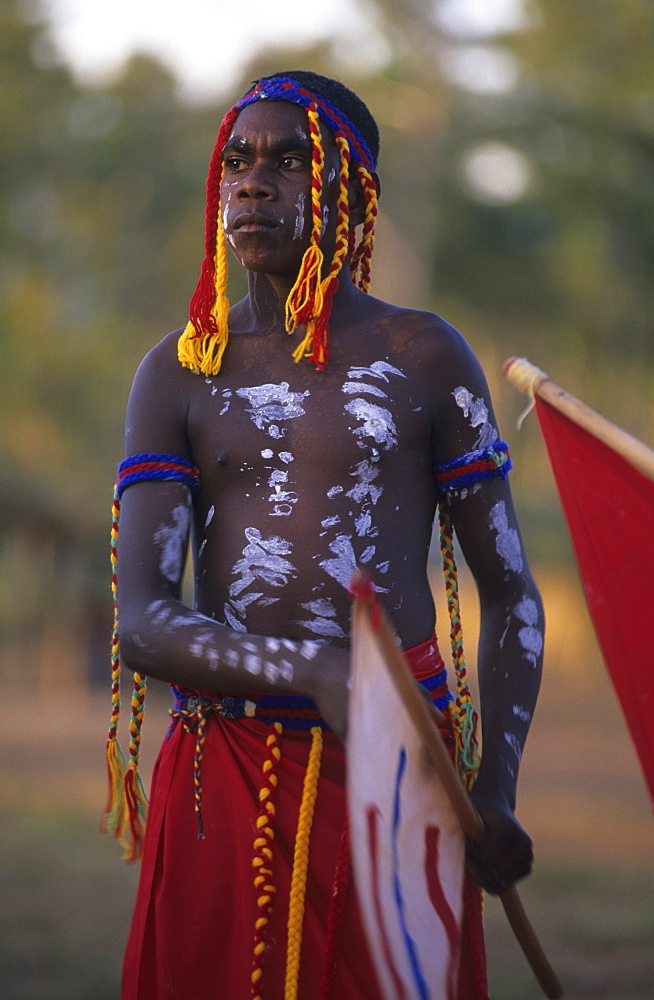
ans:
x=518 y=186
x=101 y=206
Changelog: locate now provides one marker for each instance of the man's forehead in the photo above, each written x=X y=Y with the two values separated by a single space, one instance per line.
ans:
x=282 y=119
x=267 y=116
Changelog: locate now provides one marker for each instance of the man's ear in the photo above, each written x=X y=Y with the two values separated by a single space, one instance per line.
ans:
x=356 y=199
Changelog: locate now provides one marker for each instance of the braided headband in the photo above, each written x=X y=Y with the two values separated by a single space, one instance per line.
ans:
x=309 y=304
x=285 y=89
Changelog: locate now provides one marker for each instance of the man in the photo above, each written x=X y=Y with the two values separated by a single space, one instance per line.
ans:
x=288 y=476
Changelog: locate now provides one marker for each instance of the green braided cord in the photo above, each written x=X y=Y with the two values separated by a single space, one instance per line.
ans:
x=464 y=716
x=136 y=719
x=115 y=642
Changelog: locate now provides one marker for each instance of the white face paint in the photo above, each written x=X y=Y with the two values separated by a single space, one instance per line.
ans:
x=209 y=518
x=522 y=713
x=171 y=540
x=507 y=542
x=477 y=412
x=300 y=217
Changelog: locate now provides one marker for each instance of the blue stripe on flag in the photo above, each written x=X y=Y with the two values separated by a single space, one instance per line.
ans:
x=414 y=961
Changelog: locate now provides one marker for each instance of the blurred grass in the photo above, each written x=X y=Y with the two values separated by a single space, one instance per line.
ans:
x=66 y=895
x=65 y=907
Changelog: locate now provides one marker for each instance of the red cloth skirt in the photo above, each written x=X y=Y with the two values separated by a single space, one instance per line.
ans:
x=192 y=932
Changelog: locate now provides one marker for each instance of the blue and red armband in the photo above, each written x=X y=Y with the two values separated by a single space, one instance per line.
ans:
x=154 y=465
x=475 y=467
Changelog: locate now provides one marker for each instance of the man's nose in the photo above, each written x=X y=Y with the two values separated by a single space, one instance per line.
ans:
x=257 y=183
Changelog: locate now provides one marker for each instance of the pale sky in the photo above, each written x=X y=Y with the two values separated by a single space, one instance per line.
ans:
x=207 y=43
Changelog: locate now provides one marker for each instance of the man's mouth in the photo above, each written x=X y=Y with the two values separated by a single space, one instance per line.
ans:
x=253 y=222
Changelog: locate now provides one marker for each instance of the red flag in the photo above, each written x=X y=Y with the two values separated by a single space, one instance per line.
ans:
x=609 y=507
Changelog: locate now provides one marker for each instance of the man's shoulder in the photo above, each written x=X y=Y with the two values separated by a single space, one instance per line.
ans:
x=161 y=361
x=424 y=331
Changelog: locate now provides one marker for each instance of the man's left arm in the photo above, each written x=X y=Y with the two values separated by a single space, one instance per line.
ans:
x=512 y=622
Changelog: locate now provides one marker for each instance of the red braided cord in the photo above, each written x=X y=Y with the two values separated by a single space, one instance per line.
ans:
x=472 y=900
x=204 y=296
x=336 y=913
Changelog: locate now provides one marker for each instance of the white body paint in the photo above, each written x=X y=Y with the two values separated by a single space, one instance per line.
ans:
x=324 y=619
x=264 y=563
x=272 y=403
x=171 y=540
x=475 y=409
x=529 y=636
x=374 y=431
x=507 y=542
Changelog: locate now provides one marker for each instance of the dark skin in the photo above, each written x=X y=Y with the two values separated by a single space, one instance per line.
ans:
x=306 y=474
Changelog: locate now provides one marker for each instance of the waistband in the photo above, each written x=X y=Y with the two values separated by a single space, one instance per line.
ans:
x=300 y=713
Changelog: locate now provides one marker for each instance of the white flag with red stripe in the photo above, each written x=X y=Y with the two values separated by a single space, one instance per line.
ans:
x=407 y=843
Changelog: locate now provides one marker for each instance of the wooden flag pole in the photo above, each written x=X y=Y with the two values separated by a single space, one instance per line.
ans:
x=471 y=823
x=534 y=382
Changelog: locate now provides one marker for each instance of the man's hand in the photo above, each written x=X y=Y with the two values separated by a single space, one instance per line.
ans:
x=503 y=856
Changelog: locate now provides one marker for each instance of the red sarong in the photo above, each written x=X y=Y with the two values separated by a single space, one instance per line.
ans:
x=193 y=926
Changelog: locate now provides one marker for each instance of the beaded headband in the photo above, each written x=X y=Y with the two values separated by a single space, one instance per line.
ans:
x=309 y=304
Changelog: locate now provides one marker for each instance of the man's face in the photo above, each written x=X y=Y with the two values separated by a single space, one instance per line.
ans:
x=266 y=188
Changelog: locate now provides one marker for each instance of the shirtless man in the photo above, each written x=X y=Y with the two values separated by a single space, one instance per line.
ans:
x=304 y=475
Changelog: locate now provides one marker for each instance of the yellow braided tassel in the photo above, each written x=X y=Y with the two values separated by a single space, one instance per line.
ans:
x=306 y=293
x=305 y=298
x=464 y=717
x=203 y=354
x=301 y=865
x=314 y=343
x=263 y=855
x=114 y=818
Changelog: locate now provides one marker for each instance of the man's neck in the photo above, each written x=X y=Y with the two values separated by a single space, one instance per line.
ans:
x=264 y=308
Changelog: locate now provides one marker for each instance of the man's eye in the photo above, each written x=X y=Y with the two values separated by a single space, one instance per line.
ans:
x=292 y=163
x=235 y=164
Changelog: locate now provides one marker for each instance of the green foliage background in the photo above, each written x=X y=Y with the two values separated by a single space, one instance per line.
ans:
x=101 y=218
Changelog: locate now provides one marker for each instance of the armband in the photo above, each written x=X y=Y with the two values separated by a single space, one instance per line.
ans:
x=153 y=465
x=475 y=467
